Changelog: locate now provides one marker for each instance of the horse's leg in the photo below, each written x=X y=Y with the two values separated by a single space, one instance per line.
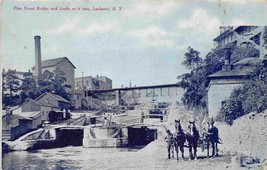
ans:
x=169 y=150
x=190 y=150
x=202 y=145
x=208 y=148
x=172 y=150
x=213 y=148
x=195 y=150
x=177 y=151
x=216 y=146
x=182 y=150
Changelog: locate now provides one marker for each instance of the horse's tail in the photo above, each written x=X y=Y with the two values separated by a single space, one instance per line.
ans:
x=220 y=141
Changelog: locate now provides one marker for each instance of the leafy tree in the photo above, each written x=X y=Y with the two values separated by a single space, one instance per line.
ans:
x=53 y=82
x=10 y=88
x=196 y=80
x=28 y=87
x=251 y=97
x=59 y=87
x=192 y=59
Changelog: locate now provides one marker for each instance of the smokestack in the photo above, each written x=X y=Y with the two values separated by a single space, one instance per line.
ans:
x=38 y=67
x=227 y=59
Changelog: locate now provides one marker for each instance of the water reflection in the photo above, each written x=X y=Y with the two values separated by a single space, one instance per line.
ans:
x=65 y=158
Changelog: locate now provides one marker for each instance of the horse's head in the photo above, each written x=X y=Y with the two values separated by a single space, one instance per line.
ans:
x=177 y=121
x=210 y=123
x=178 y=125
x=191 y=123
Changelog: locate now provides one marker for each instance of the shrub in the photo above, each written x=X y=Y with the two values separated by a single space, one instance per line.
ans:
x=250 y=97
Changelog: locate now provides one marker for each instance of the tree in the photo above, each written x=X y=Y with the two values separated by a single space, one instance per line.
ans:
x=193 y=82
x=192 y=59
x=251 y=97
x=28 y=87
x=59 y=87
x=53 y=82
x=10 y=88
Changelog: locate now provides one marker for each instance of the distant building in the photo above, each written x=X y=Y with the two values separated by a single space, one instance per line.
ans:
x=35 y=106
x=223 y=82
x=92 y=83
x=14 y=125
x=233 y=75
x=243 y=36
x=54 y=101
x=62 y=64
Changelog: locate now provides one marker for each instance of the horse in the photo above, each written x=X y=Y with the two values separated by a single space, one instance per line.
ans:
x=179 y=139
x=192 y=137
x=212 y=137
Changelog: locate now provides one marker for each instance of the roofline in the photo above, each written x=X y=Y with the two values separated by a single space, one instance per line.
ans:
x=51 y=96
x=56 y=63
x=70 y=62
x=223 y=34
x=42 y=104
x=227 y=76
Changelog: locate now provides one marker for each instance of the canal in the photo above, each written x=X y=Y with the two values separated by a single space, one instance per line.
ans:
x=66 y=158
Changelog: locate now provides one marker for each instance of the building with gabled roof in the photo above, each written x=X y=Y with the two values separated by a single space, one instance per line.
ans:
x=63 y=64
x=234 y=72
x=225 y=81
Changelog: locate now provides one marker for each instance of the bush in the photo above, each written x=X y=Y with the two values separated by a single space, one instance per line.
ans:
x=251 y=97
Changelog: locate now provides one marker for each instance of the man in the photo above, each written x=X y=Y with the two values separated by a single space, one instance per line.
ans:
x=169 y=139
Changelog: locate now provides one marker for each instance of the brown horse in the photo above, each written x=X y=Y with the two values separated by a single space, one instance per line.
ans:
x=192 y=137
x=179 y=139
x=212 y=137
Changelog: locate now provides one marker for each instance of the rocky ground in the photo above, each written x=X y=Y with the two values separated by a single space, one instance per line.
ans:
x=246 y=139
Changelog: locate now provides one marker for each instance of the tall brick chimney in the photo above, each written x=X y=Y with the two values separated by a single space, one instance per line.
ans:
x=38 y=67
x=227 y=60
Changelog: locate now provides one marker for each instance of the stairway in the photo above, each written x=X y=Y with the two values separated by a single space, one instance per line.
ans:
x=6 y=135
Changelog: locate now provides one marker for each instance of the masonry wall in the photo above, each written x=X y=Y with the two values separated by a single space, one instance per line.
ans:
x=30 y=106
x=68 y=69
x=45 y=112
x=220 y=90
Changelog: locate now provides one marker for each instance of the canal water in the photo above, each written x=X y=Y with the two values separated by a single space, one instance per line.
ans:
x=66 y=158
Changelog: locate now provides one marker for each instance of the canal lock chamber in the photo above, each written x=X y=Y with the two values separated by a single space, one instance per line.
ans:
x=69 y=136
x=141 y=136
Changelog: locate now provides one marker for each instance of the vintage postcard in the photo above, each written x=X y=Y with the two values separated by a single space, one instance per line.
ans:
x=134 y=84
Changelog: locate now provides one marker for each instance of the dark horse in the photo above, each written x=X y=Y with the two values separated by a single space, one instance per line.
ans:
x=192 y=137
x=212 y=137
x=179 y=139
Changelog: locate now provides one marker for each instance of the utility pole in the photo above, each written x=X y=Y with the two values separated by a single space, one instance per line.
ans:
x=82 y=82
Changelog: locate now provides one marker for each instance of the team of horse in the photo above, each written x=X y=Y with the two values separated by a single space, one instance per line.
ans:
x=177 y=141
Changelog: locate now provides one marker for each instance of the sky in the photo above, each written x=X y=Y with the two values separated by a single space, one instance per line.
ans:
x=141 y=41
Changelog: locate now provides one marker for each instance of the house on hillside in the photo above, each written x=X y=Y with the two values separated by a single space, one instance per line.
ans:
x=223 y=82
x=243 y=36
x=62 y=63
x=233 y=73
